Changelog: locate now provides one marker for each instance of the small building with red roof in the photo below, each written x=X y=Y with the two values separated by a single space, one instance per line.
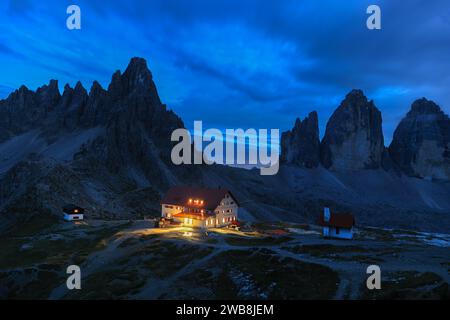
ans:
x=337 y=225
x=200 y=207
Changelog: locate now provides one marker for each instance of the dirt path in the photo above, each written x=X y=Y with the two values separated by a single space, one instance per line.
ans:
x=352 y=273
x=154 y=288
x=95 y=262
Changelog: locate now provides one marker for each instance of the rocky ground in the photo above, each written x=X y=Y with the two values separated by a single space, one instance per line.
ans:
x=133 y=260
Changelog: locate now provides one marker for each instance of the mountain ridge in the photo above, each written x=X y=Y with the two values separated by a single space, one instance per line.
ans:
x=108 y=150
x=354 y=139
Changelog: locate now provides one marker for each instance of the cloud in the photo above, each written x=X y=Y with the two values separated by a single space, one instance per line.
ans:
x=19 y=7
x=235 y=62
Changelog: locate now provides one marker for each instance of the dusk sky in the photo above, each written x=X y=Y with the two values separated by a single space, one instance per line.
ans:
x=238 y=64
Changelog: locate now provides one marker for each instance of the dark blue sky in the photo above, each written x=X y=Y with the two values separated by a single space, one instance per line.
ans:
x=246 y=63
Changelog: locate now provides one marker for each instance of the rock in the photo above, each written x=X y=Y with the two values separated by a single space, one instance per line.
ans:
x=139 y=125
x=136 y=81
x=420 y=146
x=48 y=96
x=120 y=169
x=97 y=107
x=74 y=107
x=353 y=139
x=301 y=145
x=132 y=149
x=20 y=111
x=388 y=164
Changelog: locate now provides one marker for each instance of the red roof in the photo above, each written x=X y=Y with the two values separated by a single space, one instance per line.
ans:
x=236 y=223
x=340 y=220
x=180 y=195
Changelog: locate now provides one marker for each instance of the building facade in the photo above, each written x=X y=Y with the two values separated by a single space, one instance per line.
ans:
x=73 y=213
x=200 y=207
x=336 y=225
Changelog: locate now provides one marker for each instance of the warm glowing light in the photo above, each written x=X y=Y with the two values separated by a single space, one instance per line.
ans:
x=201 y=201
x=190 y=200
x=76 y=210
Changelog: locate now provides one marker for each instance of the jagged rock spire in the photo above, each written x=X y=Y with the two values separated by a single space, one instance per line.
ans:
x=353 y=138
x=421 y=142
x=301 y=145
x=137 y=80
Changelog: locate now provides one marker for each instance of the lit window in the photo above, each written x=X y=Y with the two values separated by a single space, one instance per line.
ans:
x=223 y=220
x=206 y=222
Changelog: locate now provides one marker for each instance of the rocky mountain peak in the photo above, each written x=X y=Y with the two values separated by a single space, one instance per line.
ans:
x=20 y=93
x=51 y=88
x=21 y=98
x=95 y=88
x=421 y=142
x=79 y=87
x=67 y=88
x=66 y=95
x=356 y=95
x=136 y=67
x=48 y=95
x=424 y=106
x=136 y=80
x=77 y=90
x=353 y=139
x=80 y=94
x=22 y=89
x=115 y=88
x=301 y=145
